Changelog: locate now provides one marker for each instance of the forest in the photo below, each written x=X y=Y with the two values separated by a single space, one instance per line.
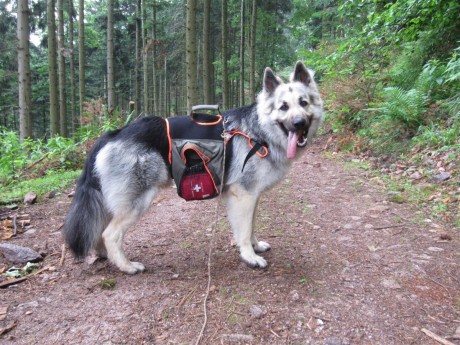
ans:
x=389 y=70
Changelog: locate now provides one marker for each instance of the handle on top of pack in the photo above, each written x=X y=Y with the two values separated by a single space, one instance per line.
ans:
x=206 y=119
x=205 y=107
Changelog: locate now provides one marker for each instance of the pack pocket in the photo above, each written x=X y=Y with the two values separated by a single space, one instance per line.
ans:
x=196 y=182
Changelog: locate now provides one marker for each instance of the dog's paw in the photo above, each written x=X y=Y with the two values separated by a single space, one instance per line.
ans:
x=261 y=247
x=133 y=268
x=254 y=261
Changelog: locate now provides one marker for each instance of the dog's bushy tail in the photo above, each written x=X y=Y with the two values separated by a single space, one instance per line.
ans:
x=87 y=216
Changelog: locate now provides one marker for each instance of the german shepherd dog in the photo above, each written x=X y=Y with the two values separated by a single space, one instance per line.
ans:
x=127 y=168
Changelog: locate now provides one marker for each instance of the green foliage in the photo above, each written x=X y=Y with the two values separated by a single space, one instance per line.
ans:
x=53 y=180
x=16 y=156
x=404 y=107
x=12 y=157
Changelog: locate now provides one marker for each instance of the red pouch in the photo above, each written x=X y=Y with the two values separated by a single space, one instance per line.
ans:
x=196 y=182
x=197 y=186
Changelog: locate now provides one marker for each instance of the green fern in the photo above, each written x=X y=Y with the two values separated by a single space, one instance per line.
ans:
x=405 y=107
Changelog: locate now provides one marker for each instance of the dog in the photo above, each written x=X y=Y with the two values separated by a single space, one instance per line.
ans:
x=128 y=167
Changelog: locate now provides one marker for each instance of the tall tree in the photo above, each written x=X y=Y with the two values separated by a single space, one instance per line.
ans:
x=252 y=53
x=25 y=94
x=110 y=60
x=156 y=100
x=225 y=87
x=241 y=90
x=81 y=54
x=207 y=66
x=191 y=55
x=61 y=71
x=145 y=57
x=71 y=13
x=138 y=53
x=52 y=70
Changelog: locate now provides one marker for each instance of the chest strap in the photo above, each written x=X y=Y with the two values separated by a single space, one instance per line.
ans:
x=258 y=148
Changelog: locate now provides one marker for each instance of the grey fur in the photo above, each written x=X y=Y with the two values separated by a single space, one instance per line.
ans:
x=127 y=168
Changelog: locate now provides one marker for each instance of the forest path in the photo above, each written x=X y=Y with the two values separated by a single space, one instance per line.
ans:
x=346 y=267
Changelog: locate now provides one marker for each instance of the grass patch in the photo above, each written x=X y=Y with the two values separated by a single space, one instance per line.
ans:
x=55 y=180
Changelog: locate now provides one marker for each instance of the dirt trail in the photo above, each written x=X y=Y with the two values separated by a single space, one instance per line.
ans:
x=346 y=267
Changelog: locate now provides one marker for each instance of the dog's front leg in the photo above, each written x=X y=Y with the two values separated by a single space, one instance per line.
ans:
x=241 y=208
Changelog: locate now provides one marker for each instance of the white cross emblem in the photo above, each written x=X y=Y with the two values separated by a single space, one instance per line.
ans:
x=196 y=188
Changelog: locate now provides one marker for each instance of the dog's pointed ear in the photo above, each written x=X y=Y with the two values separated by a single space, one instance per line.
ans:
x=302 y=74
x=271 y=82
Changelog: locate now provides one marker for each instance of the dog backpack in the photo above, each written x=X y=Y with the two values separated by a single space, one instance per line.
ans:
x=196 y=153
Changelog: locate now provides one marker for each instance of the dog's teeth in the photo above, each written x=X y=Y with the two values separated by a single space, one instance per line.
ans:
x=302 y=142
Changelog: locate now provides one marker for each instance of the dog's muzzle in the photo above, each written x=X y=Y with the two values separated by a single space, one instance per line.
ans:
x=296 y=131
x=301 y=127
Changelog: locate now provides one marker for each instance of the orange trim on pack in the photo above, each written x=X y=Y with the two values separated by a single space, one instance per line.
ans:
x=203 y=157
x=212 y=178
x=169 y=142
x=264 y=148
x=208 y=123
x=195 y=148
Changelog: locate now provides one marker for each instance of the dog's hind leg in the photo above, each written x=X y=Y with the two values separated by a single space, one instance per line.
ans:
x=113 y=239
x=113 y=235
x=241 y=208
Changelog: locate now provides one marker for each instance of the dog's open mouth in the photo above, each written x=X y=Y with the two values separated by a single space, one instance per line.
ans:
x=297 y=138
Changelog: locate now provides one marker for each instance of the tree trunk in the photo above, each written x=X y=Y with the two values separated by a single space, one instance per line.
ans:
x=191 y=54
x=225 y=88
x=61 y=71
x=252 y=60
x=72 y=67
x=154 y=56
x=25 y=121
x=52 y=70
x=207 y=66
x=241 y=93
x=145 y=56
x=81 y=53
x=110 y=60
x=138 y=57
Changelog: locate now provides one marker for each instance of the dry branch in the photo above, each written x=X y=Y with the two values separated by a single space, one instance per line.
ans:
x=436 y=337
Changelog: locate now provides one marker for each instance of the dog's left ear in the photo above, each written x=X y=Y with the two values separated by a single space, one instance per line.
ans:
x=271 y=82
x=302 y=74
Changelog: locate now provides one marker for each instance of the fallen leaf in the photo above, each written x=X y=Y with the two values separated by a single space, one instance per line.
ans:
x=6 y=234
x=7 y=328
x=107 y=284
x=7 y=223
x=373 y=248
x=3 y=311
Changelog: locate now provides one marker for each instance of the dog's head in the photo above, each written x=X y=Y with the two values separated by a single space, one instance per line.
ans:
x=294 y=109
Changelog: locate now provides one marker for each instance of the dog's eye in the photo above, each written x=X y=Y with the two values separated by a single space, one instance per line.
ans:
x=303 y=103
x=284 y=107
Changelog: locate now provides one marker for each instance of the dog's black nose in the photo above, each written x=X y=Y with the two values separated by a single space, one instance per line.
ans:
x=299 y=122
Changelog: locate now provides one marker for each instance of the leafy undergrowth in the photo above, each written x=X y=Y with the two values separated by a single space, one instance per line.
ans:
x=56 y=180
x=428 y=178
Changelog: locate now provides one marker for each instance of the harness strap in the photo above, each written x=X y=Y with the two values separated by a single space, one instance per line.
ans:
x=261 y=149
x=251 y=153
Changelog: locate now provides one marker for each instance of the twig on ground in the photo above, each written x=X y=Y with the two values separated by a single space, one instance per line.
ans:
x=22 y=279
x=211 y=246
x=10 y=201
x=61 y=262
x=436 y=337
x=15 y=226
x=186 y=297
x=389 y=227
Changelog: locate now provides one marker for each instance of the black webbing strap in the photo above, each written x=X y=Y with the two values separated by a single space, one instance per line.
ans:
x=251 y=153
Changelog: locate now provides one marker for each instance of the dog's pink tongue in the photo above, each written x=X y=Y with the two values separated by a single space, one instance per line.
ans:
x=292 y=144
